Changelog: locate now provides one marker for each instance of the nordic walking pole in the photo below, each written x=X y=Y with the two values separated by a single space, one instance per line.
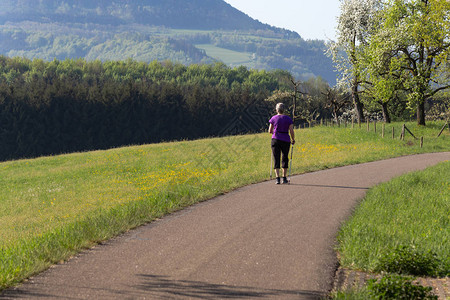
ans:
x=271 y=163
x=290 y=164
x=296 y=85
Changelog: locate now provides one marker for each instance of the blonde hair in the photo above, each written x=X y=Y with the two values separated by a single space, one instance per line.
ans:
x=280 y=108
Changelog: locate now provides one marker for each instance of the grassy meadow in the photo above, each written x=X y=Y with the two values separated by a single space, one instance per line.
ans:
x=53 y=207
x=401 y=227
x=229 y=57
x=410 y=211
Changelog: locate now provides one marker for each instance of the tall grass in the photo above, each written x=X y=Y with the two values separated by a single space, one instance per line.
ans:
x=404 y=222
x=53 y=207
x=400 y=227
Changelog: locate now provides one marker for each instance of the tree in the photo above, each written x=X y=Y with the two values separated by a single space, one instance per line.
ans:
x=336 y=101
x=380 y=85
x=304 y=99
x=412 y=45
x=354 y=24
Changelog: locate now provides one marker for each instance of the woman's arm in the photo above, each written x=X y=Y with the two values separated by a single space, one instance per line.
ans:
x=291 y=131
x=271 y=128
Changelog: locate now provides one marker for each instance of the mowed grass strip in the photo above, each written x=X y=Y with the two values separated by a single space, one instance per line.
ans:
x=53 y=207
x=411 y=211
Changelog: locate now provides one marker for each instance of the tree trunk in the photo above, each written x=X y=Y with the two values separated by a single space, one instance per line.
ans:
x=421 y=113
x=386 y=116
x=358 y=104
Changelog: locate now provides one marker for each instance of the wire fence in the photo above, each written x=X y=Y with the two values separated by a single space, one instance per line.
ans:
x=373 y=125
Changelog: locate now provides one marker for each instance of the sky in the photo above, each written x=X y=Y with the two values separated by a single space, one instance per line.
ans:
x=312 y=19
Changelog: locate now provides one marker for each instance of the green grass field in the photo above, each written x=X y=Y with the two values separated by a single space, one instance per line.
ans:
x=53 y=207
x=410 y=211
x=229 y=57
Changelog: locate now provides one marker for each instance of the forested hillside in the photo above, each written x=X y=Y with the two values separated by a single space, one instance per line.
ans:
x=74 y=105
x=196 y=31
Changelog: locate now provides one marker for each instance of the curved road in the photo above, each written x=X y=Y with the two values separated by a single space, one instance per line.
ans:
x=258 y=242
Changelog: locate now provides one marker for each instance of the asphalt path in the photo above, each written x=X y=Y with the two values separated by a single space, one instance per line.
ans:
x=259 y=242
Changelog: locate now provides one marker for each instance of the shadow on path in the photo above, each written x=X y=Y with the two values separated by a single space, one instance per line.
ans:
x=161 y=286
x=331 y=186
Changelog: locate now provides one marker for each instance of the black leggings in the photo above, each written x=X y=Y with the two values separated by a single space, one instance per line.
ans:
x=278 y=148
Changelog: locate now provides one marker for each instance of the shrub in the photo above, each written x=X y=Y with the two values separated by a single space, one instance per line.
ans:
x=398 y=287
x=409 y=260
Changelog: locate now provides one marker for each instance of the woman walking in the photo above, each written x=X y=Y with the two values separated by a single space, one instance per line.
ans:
x=282 y=129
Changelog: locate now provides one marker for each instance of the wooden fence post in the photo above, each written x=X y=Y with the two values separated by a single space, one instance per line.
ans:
x=421 y=142
x=393 y=133
x=443 y=128
x=383 y=130
x=407 y=129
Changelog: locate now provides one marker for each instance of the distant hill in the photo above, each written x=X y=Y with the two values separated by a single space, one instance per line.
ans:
x=194 y=31
x=180 y=14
